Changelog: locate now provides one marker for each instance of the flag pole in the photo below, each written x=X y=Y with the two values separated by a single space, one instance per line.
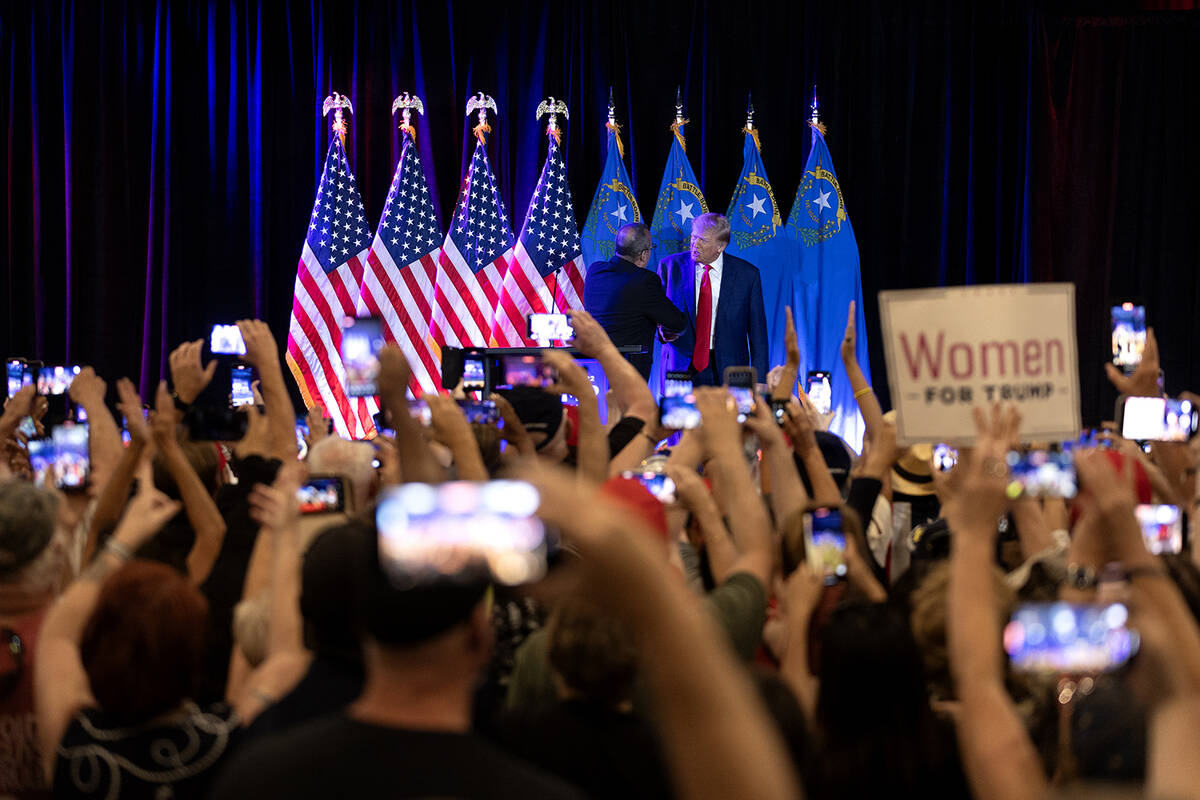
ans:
x=405 y=104
x=750 y=130
x=482 y=102
x=337 y=102
x=814 y=121
x=612 y=125
x=677 y=125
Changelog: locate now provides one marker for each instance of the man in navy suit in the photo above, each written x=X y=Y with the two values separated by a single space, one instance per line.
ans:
x=723 y=298
x=628 y=300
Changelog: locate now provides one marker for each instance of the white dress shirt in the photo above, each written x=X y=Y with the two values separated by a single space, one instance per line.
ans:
x=714 y=280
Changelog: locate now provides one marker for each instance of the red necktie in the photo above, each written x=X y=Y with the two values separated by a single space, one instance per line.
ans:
x=703 y=322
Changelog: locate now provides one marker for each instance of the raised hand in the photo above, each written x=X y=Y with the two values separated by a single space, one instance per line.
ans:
x=590 y=338
x=718 y=414
x=1143 y=381
x=850 y=336
x=163 y=421
x=572 y=378
x=88 y=388
x=261 y=349
x=131 y=407
x=145 y=515
x=187 y=375
x=983 y=497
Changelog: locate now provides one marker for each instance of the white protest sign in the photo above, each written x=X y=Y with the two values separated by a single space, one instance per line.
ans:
x=952 y=349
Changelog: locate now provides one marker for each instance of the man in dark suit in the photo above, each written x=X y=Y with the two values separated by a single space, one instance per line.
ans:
x=628 y=300
x=723 y=298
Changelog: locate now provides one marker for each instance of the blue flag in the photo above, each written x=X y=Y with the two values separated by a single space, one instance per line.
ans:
x=827 y=281
x=613 y=205
x=680 y=201
x=757 y=235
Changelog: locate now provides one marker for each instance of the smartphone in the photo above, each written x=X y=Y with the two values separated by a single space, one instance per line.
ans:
x=779 y=410
x=945 y=457
x=226 y=340
x=215 y=424
x=1158 y=419
x=550 y=327
x=56 y=380
x=61 y=459
x=825 y=544
x=435 y=533
x=1128 y=335
x=474 y=378
x=1162 y=528
x=16 y=375
x=483 y=412
x=527 y=370
x=362 y=340
x=678 y=407
x=81 y=414
x=240 y=394
x=741 y=381
x=1042 y=473
x=322 y=495
x=1065 y=638
x=657 y=483
x=301 y=439
x=820 y=391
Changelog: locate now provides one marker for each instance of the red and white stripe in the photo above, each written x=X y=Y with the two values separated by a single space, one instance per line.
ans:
x=319 y=305
x=402 y=297
x=463 y=308
x=526 y=292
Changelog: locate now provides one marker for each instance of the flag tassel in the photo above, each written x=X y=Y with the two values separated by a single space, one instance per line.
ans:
x=615 y=130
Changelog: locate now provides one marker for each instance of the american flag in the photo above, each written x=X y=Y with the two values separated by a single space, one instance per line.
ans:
x=327 y=281
x=402 y=268
x=546 y=272
x=473 y=260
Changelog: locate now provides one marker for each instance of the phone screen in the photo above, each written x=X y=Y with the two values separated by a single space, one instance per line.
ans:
x=301 y=440
x=945 y=457
x=1128 y=335
x=820 y=391
x=361 y=342
x=473 y=374
x=550 y=327
x=657 y=483
x=1068 y=638
x=1041 y=473
x=1162 y=528
x=322 y=496
x=56 y=380
x=678 y=407
x=430 y=533
x=483 y=412
x=825 y=543
x=226 y=340
x=1158 y=419
x=16 y=376
x=526 y=371
x=61 y=459
x=240 y=392
x=740 y=382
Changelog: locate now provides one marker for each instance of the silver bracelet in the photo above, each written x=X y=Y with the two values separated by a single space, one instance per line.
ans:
x=119 y=550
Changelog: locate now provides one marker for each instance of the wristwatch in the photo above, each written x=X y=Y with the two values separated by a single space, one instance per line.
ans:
x=179 y=404
x=1081 y=576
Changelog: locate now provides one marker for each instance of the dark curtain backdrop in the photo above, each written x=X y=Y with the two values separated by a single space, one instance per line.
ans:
x=161 y=157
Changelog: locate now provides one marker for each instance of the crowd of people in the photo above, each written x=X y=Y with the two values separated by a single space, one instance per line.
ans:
x=180 y=629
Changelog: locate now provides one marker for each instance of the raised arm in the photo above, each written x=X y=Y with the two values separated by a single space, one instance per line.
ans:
x=262 y=353
x=416 y=459
x=790 y=371
x=797 y=424
x=451 y=429
x=104 y=437
x=998 y=756
x=626 y=383
x=60 y=683
x=743 y=507
x=718 y=740
x=864 y=395
x=198 y=504
x=787 y=490
x=592 y=450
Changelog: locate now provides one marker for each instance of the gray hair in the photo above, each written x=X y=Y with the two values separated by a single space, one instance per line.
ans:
x=28 y=518
x=632 y=240
x=349 y=460
x=712 y=222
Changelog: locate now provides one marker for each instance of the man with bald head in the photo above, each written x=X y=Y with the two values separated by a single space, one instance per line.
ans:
x=628 y=299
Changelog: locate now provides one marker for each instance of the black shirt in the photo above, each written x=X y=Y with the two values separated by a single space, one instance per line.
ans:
x=630 y=303
x=337 y=756
x=605 y=753
x=328 y=686
x=99 y=757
